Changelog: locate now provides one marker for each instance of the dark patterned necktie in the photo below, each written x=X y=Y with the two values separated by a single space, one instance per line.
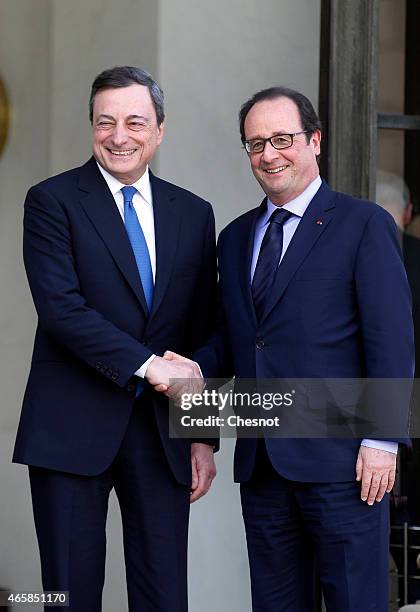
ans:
x=268 y=259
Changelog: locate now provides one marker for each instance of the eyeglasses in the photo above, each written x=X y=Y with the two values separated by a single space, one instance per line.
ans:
x=278 y=141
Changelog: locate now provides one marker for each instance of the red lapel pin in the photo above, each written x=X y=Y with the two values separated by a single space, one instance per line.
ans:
x=318 y=222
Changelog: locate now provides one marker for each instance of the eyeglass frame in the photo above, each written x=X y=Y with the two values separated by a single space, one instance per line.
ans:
x=265 y=140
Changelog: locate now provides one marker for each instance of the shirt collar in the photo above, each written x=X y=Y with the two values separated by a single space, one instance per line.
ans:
x=142 y=184
x=298 y=205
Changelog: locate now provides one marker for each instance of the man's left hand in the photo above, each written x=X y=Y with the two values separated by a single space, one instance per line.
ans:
x=376 y=470
x=203 y=469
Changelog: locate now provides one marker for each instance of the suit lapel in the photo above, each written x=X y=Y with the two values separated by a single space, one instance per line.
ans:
x=101 y=209
x=313 y=223
x=246 y=252
x=167 y=225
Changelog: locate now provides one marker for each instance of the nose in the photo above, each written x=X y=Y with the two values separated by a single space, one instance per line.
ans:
x=119 y=135
x=269 y=152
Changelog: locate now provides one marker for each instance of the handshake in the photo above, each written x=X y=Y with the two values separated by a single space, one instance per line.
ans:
x=174 y=375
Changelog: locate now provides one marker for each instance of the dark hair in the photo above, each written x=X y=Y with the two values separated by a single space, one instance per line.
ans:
x=124 y=76
x=309 y=118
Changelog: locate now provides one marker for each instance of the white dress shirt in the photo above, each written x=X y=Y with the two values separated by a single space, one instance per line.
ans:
x=143 y=205
x=298 y=207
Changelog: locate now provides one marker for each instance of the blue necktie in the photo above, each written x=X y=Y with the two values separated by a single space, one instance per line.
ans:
x=268 y=260
x=138 y=244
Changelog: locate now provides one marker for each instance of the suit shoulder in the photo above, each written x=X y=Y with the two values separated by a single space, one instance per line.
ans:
x=364 y=214
x=58 y=182
x=358 y=206
x=241 y=222
x=68 y=176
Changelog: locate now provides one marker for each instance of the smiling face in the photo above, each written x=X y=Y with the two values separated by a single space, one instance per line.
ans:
x=125 y=132
x=283 y=174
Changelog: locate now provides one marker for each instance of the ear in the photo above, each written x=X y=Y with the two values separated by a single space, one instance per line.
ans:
x=408 y=213
x=161 y=131
x=316 y=142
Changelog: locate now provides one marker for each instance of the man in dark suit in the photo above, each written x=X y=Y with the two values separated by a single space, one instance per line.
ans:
x=121 y=266
x=312 y=286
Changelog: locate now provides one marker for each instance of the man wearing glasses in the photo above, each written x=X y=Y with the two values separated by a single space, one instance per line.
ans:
x=312 y=286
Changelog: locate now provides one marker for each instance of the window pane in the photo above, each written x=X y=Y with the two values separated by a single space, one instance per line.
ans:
x=391 y=58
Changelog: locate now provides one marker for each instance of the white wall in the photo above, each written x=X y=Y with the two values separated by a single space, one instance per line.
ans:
x=213 y=57
x=24 y=58
x=88 y=36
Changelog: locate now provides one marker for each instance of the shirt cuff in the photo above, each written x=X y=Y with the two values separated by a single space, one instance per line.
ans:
x=386 y=445
x=141 y=372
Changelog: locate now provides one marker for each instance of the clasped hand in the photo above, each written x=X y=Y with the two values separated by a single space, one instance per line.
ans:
x=174 y=376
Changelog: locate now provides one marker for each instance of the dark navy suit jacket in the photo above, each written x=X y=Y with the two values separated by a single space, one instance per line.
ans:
x=94 y=331
x=340 y=308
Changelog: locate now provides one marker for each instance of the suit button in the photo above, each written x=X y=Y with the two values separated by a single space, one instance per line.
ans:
x=260 y=344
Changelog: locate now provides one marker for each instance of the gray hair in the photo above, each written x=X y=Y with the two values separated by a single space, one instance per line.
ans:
x=124 y=76
x=391 y=190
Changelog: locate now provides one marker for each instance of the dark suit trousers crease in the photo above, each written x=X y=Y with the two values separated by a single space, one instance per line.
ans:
x=70 y=515
x=290 y=523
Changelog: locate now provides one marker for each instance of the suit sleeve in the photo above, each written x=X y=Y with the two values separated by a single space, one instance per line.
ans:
x=384 y=303
x=202 y=313
x=214 y=357
x=203 y=317
x=62 y=310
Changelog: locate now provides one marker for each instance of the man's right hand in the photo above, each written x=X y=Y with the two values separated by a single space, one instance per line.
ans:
x=174 y=375
x=161 y=370
x=177 y=367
